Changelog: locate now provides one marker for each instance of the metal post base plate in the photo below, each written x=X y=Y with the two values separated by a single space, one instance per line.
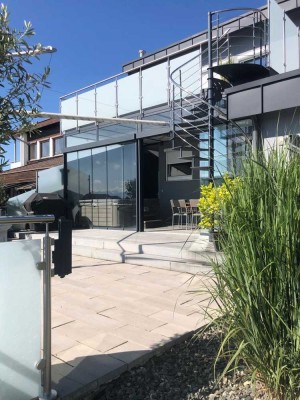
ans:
x=51 y=396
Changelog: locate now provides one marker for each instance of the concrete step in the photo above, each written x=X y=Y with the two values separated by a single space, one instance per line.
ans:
x=195 y=251
x=180 y=251
x=149 y=260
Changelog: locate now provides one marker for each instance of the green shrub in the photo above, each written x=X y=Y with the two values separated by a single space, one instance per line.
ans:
x=257 y=284
x=211 y=200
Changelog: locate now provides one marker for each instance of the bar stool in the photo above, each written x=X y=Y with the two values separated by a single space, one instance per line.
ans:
x=196 y=215
x=176 y=212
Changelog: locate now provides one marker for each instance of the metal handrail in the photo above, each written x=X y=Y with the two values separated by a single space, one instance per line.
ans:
x=29 y=219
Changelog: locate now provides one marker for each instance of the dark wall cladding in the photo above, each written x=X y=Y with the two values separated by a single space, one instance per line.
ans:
x=101 y=186
x=278 y=92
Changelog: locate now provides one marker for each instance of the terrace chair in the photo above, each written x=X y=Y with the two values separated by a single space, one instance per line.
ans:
x=196 y=215
x=185 y=212
x=176 y=212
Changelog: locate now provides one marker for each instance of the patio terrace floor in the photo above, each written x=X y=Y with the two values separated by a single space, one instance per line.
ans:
x=108 y=317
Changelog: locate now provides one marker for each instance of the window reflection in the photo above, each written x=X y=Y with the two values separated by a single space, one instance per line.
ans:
x=104 y=180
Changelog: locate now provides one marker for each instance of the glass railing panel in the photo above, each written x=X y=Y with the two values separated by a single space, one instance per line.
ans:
x=276 y=37
x=20 y=319
x=188 y=76
x=86 y=105
x=155 y=85
x=128 y=94
x=106 y=100
x=292 y=45
x=68 y=107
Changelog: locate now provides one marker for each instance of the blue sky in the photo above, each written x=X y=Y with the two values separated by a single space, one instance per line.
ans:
x=94 y=38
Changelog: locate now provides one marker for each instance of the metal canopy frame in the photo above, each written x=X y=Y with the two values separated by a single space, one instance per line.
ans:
x=98 y=119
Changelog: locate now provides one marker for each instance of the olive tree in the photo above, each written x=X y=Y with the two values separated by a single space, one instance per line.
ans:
x=20 y=85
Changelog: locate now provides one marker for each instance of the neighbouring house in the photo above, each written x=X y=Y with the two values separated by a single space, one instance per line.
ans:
x=235 y=83
x=40 y=149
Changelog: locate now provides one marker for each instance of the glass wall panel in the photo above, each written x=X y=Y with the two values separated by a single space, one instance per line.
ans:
x=81 y=136
x=99 y=186
x=73 y=185
x=102 y=186
x=51 y=180
x=114 y=184
x=128 y=212
x=85 y=187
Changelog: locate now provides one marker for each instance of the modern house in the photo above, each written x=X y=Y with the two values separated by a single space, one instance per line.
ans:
x=236 y=83
x=40 y=149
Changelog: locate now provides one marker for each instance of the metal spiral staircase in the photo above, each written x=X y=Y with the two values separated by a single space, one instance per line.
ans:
x=201 y=131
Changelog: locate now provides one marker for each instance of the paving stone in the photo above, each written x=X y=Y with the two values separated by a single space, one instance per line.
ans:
x=140 y=336
x=104 y=342
x=60 y=319
x=130 y=353
x=167 y=316
x=77 y=330
x=88 y=360
x=134 y=319
x=61 y=342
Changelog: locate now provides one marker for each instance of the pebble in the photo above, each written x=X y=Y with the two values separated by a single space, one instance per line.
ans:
x=184 y=372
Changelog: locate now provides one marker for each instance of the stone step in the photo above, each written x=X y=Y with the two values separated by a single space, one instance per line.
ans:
x=154 y=261
x=180 y=250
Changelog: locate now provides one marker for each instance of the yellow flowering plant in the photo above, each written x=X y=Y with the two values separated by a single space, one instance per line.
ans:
x=213 y=198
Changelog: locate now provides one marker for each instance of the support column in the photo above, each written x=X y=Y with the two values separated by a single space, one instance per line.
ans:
x=210 y=101
x=139 y=187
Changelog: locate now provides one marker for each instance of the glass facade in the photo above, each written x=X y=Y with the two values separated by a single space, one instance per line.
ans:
x=101 y=186
x=230 y=148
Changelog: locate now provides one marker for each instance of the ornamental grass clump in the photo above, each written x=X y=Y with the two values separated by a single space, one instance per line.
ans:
x=257 y=284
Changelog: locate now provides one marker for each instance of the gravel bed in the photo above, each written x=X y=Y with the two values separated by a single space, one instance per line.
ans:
x=183 y=372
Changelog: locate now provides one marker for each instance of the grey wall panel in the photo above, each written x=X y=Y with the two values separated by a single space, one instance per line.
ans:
x=244 y=104
x=282 y=95
x=173 y=189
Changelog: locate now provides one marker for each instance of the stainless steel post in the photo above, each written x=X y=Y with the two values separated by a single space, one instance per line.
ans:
x=210 y=100
x=48 y=394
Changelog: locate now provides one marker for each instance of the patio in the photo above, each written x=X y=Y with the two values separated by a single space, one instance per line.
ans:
x=108 y=317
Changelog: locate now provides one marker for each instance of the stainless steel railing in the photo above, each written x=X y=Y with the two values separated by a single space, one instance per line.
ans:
x=45 y=363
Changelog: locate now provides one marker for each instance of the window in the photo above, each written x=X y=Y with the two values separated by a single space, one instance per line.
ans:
x=32 y=151
x=179 y=166
x=45 y=148
x=58 y=144
x=180 y=169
